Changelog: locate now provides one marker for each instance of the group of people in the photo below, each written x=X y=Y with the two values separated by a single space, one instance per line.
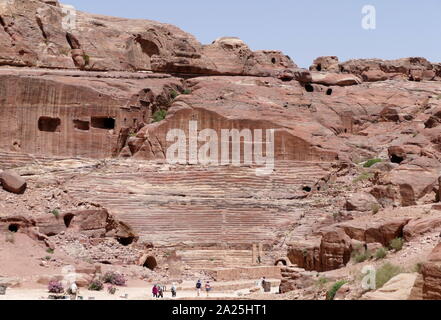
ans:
x=199 y=287
x=158 y=290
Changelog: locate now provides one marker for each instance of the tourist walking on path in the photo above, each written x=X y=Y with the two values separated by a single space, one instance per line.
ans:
x=155 y=291
x=160 y=292
x=173 y=290
x=73 y=291
x=208 y=288
x=198 y=287
x=262 y=284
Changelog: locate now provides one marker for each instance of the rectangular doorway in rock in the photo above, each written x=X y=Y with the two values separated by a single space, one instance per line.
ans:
x=82 y=125
x=103 y=123
x=48 y=124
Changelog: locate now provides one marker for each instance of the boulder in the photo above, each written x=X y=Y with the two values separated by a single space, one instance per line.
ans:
x=12 y=182
x=335 y=79
x=385 y=232
x=374 y=76
x=343 y=292
x=420 y=226
x=431 y=271
x=361 y=201
x=381 y=231
x=10 y=282
x=328 y=63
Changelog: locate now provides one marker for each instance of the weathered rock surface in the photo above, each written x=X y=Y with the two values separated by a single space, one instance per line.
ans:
x=111 y=88
x=431 y=271
x=41 y=36
x=397 y=288
x=361 y=202
x=332 y=252
x=12 y=182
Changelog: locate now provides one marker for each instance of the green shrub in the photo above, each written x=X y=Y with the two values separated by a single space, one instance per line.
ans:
x=362 y=177
x=96 y=285
x=371 y=162
x=380 y=254
x=375 y=208
x=334 y=289
x=174 y=94
x=386 y=272
x=362 y=256
x=186 y=91
x=49 y=250
x=322 y=282
x=159 y=115
x=86 y=59
x=56 y=213
x=397 y=244
x=417 y=268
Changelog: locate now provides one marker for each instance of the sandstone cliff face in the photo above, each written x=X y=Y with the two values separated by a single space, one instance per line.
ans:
x=38 y=33
x=92 y=91
x=60 y=114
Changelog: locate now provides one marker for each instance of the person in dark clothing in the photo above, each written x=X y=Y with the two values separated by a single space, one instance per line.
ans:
x=155 y=291
x=160 y=292
x=198 y=287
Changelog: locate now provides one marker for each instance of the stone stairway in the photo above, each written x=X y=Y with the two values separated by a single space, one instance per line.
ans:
x=212 y=215
x=10 y=160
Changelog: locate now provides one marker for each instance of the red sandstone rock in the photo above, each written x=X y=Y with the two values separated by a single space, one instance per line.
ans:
x=361 y=202
x=12 y=182
x=375 y=232
x=374 y=76
x=431 y=271
x=329 y=64
x=421 y=226
x=335 y=250
x=335 y=79
x=332 y=252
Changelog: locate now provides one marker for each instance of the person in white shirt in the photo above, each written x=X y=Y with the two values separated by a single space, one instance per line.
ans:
x=73 y=290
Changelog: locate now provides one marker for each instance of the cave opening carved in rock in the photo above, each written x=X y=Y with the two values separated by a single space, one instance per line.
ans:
x=68 y=219
x=103 y=123
x=125 y=241
x=281 y=262
x=82 y=125
x=396 y=159
x=48 y=124
x=13 y=227
x=309 y=88
x=145 y=49
x=150 y=263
